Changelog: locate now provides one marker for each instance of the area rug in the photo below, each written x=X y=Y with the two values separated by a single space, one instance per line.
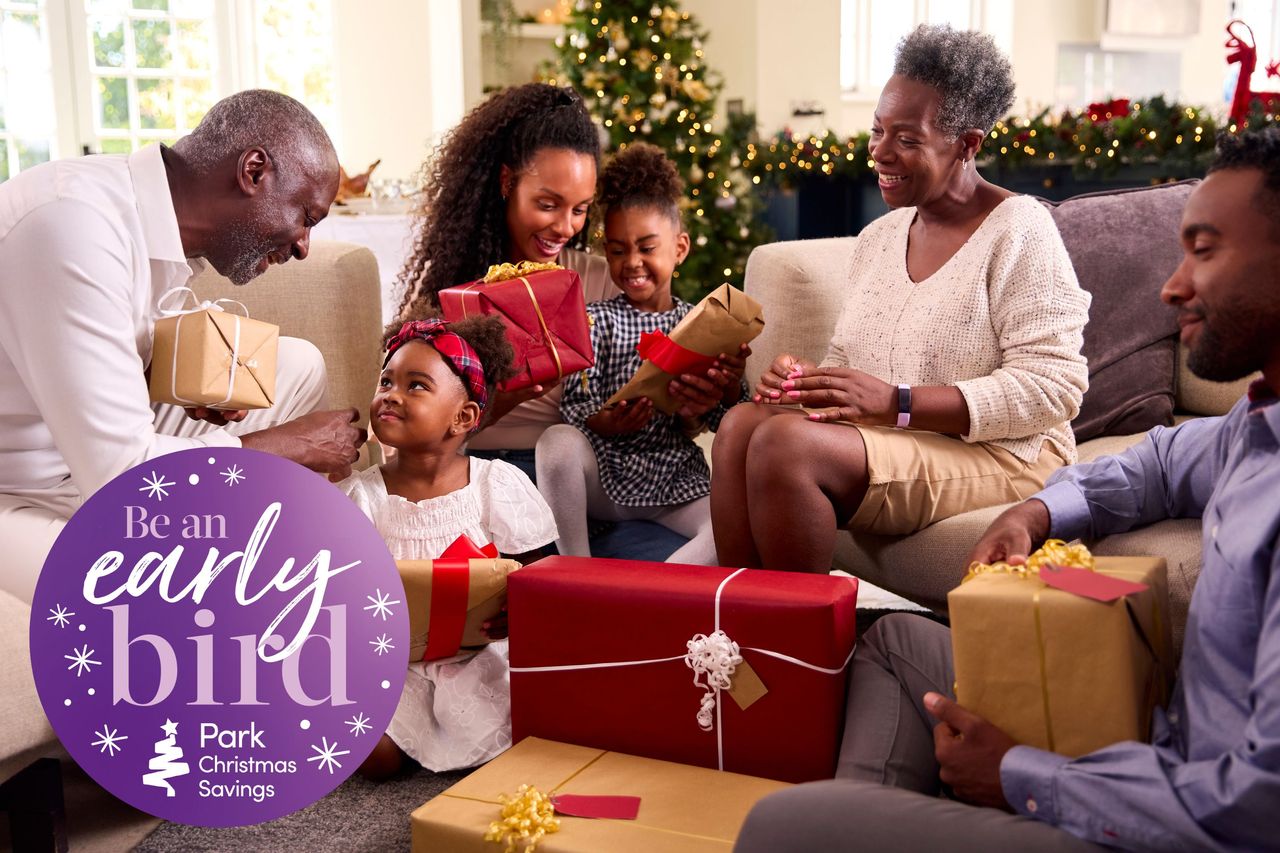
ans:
x=358 y=817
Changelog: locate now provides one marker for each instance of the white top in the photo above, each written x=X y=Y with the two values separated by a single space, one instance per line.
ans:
x=1002 y=320
x=522 y=426
x=87 y=245
x=499 y=505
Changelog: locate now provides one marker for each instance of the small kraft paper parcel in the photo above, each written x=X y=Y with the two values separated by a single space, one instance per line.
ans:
x=451 y=597
x=720 y=323
x=211 y=357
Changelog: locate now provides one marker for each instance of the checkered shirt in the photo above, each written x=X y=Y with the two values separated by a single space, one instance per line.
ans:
x=659 y=465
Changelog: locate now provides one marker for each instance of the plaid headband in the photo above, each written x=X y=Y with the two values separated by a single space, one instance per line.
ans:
x=456 y=352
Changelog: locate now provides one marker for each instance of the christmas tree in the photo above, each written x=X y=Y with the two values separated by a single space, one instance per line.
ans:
x=640 y=69
x=167 y=761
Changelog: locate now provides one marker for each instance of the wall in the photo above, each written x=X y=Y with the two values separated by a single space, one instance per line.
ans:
x=399 y=71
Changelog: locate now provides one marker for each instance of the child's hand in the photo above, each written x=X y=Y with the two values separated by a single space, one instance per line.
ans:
x=784 y=367
x=722 y=384
x=496 y=628
x=627 y=417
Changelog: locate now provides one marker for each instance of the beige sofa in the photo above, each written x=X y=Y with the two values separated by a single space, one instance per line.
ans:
x=800 y=284
x=331 y=299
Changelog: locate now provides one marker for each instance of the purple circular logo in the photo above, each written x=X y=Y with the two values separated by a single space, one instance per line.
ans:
x=219 y=637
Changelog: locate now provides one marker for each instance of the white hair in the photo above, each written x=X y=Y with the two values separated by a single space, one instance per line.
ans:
x=292 y=136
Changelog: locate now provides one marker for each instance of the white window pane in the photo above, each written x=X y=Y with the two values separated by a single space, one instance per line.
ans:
x=192 y=8
x=107 y=7
x=890 y=21
x=957 y=13
x=295 y=53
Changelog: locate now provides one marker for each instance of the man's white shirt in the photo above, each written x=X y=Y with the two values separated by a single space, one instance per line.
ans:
x=87 y=247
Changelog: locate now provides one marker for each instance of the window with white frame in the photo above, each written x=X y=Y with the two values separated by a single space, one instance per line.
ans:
x=871 y=29
x=27 y=121
x=109 y=76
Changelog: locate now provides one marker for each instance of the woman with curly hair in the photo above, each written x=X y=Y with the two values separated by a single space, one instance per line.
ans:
x=954 y=369
x=512 y=182
x=629 y=461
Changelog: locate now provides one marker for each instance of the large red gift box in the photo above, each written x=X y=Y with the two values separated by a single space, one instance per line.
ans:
x=545 y=313
x=601 y=654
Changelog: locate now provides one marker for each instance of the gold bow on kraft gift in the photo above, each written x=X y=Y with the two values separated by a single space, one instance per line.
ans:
x=526 y=818
x=1054 y=552
x=507 y=272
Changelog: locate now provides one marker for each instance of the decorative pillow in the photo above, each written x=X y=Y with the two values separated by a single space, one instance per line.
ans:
x=1124 y=246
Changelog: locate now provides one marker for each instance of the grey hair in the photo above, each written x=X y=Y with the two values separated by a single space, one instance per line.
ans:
x=973 y=77
x=294 y=138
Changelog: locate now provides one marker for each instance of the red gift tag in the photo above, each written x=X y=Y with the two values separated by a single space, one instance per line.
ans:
x=1089 y=584
x=582 y=805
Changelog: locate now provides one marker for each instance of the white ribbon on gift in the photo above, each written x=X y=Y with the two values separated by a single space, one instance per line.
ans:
x=207 y=305
x=713 y=656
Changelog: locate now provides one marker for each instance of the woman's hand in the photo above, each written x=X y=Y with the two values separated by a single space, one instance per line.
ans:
x=842 y=394
x=505 y=401
x=769 y=388
x=627 y=417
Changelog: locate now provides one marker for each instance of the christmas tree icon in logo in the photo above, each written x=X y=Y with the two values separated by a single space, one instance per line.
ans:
x=166 y=763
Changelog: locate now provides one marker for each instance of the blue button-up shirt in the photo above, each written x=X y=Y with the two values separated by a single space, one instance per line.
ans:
x=1210 y=780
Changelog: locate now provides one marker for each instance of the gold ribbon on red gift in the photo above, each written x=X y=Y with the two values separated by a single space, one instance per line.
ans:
x=547 y=337
x=450 y=583
x=669 y=357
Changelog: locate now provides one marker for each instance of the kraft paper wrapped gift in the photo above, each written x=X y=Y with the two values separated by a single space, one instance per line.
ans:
x=724 y=320
x=682 y=809
x=633 y=657
x=544 y=310
x=452 y=596
x=1060 y=671
x=214 y=358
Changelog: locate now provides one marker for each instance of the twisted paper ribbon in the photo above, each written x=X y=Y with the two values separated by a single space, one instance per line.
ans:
x=506 y=272
x=1054 y=552
x=526 y=818
x=180 y=311
x=713 y=659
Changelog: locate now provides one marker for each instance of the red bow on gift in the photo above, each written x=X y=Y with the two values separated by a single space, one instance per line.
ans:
x=450 y=583
x=670 y=357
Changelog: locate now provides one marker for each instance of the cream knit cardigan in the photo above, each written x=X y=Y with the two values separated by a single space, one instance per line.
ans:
x=1002 y=320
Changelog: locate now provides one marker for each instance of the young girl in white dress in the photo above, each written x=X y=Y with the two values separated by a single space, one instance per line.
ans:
x=432 y=394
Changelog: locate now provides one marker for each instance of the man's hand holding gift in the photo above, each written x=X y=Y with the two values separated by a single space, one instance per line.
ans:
x=969 y=751
x=720 y=385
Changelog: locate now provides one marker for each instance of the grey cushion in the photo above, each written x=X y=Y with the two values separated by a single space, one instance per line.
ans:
x=1124 y=246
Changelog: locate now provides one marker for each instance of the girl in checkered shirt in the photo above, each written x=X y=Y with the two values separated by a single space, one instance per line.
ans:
x=631 y=461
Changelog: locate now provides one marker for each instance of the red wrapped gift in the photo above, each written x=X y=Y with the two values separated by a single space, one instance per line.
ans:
x=544 y=310
x=640 y=658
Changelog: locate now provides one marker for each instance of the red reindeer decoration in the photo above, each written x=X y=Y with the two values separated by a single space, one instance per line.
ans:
x=1246 y=53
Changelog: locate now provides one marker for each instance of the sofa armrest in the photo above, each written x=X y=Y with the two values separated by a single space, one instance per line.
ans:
x=801 y=284
x=332 y=299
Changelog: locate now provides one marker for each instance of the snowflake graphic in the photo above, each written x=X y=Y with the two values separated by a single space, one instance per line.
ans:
x=233 y=475
x=82 y=661
x=60 y=616
x=156 y=486
x=327 y=755
x=381 y=605
x=359 y=724
x=109 y=740
x=382 y=645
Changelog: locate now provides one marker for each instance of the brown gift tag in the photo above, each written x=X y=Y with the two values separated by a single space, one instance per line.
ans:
x=747 y=688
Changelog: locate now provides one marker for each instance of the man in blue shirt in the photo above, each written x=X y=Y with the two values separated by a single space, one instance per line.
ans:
x=1210 y=778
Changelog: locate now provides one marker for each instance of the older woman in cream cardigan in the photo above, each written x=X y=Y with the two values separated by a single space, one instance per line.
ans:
x=955 y=368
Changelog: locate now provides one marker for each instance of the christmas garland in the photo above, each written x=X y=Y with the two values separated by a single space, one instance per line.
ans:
x=1099 y=140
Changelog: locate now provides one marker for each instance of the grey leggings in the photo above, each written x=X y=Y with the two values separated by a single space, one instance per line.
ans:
x=569 y=480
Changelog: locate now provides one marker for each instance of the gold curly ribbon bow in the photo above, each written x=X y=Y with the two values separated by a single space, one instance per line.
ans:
x=1054 y=552
x=507 y=272
x=526 y=818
